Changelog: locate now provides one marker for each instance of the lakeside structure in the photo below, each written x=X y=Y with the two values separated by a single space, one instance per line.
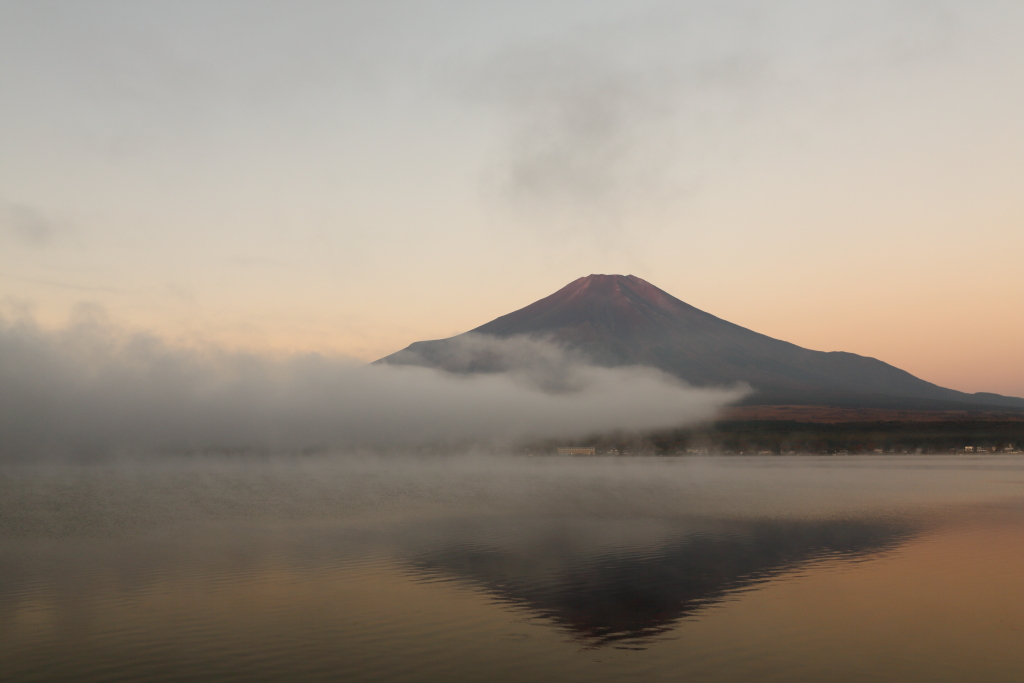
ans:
x=779 y=437
x=577 y=451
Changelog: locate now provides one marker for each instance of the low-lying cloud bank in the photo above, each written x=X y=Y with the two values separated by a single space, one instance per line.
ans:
x=90 y=390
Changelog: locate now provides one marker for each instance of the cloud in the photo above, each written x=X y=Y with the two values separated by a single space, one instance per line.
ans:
x=605 y=121
x=581 y=125
x=28 y=225
x=90 y=389
x=532 y=361
x=611 y=114
x=586 y=137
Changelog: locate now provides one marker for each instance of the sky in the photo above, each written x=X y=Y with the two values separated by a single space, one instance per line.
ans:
x=349 y=177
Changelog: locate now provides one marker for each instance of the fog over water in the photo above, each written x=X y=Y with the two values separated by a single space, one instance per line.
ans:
x=93 y=390
x=171 y=513
x=470 y=567
x=125 y=496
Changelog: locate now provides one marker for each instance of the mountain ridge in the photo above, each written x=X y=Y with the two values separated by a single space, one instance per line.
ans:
x=617 y=320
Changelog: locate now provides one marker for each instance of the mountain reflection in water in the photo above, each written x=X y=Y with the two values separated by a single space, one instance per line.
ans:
x=605 y=594
x=802 y=569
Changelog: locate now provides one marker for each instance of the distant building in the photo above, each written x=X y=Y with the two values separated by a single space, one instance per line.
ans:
x=577 y=451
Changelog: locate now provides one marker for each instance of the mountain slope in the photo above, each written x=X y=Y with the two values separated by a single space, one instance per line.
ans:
x=624 y=320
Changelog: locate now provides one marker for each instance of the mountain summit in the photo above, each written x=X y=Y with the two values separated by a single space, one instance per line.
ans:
x=616 y=320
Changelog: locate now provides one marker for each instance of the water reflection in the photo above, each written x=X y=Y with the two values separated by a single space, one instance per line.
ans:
x=739 y=571
x=607 y=594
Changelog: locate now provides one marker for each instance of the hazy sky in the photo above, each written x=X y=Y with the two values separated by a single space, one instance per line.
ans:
x=349 y=177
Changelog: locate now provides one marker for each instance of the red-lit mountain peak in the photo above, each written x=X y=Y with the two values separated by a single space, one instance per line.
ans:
x=622 y=306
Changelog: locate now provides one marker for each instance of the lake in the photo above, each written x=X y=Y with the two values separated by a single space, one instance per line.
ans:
x=507 y=568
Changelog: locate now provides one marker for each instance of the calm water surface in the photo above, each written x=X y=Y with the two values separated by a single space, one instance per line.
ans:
x=514 y=569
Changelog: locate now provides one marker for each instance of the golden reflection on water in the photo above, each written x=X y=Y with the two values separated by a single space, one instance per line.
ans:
x=947 y=606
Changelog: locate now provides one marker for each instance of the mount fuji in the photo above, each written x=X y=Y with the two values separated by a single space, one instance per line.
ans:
x=617 y=320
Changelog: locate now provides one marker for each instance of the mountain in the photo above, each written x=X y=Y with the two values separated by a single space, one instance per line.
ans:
x=623 y=320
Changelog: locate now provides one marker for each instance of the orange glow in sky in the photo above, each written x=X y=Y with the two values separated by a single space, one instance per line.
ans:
x=348 y=180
